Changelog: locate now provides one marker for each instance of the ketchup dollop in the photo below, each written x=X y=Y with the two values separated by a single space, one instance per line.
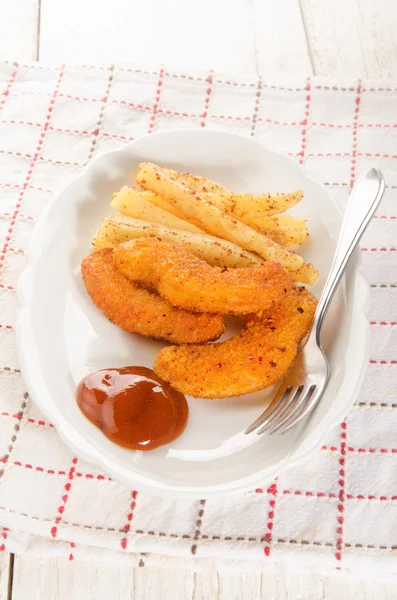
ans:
x=133 y=407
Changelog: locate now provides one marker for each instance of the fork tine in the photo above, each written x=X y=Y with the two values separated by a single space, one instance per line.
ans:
x=295 y=409
x=284 y=400
x=289 y=409
x=278 y=415
x=306 y=409
x=269 y=411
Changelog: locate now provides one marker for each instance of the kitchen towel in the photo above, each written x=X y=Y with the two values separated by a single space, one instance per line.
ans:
x=336 y=511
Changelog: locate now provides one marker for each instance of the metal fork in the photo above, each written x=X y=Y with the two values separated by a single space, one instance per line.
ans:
x=305 y=381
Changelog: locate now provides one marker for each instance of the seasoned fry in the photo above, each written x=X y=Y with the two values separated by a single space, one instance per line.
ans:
x=241 y=205
x=189 y=283
x=213 y=220
x=284 y=230
x=162 y=203
x=252 y=207
x=202 y=185
x=217 y=252
x=132 y=204
x=305 y=274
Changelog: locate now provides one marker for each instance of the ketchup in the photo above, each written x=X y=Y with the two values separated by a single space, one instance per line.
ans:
x=133 y=407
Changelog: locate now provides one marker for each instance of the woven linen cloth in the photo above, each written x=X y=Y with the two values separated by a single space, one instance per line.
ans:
x=336 y=511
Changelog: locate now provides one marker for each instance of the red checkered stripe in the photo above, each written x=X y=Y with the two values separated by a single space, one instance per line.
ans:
x=153 y=112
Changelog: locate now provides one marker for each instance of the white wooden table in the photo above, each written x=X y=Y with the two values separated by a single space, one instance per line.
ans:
x=272 y=38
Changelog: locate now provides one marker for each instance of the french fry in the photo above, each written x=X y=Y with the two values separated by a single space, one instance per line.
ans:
x=252 y=207
x=118 y=229
x=160 y=202
x=204 y=214
x=284 y=230
x=131 y=203
x=218 y=252
x=202 y=185
x=305 y=274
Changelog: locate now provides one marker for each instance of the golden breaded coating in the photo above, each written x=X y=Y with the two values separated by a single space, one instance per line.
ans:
x=191 y=283
x=252 y=360
x=137 y=310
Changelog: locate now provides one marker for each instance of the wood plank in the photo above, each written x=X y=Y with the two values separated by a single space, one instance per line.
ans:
x=227 y=35
x=4 y=574
x=19 y=29
x=280 y=39
x=165 y=584
x=233 y=586
x=151 y=32
x=354 y=38
x=61 y=579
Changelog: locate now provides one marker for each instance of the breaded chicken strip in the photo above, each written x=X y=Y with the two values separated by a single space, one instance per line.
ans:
x=252 y=360
x=191 y=283
x=137 y=310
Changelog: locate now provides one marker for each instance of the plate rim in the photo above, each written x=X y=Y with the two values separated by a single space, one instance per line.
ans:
x=93 y=455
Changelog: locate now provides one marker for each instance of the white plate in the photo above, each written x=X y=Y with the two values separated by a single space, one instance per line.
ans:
x=62 y=336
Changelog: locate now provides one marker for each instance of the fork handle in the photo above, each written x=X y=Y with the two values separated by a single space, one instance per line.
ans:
x=363 y=202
